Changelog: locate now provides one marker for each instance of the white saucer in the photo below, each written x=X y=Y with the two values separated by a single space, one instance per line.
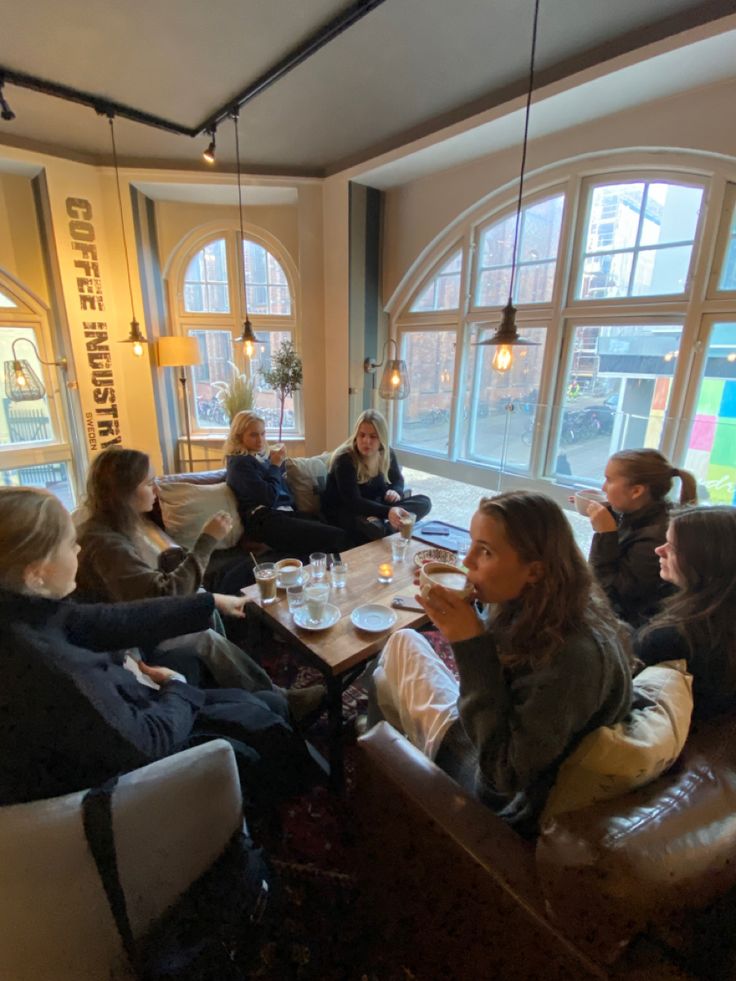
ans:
x=329 y=618
x=299 y=581
x=373 y=617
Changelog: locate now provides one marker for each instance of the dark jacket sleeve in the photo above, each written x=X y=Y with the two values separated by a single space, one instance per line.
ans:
x=254 y=482
x=628 y=574
x=395 y=476
x=110 y=565
x=521 y=725
x=104 y=627
x=348 y=490
x=660 y=644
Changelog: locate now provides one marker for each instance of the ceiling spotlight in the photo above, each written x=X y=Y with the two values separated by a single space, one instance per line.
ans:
x=209 y=153
x=5 y=111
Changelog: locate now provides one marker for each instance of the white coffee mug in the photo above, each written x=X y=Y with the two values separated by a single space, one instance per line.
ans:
x=443 y=574
x=289 y=571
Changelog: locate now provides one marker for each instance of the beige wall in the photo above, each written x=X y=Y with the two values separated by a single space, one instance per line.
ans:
x=20 y=242
x=420 y=211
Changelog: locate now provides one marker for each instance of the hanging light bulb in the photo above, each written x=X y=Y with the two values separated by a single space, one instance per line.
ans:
x=135 y=337
x=506 y=336
x=209 y=153
x=248 y=337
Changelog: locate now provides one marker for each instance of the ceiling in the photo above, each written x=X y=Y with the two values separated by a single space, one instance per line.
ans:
x=407 y=68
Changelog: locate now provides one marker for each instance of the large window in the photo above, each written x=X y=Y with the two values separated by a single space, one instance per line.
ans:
x=631 y=318
x=210 y=309
x=34 y=448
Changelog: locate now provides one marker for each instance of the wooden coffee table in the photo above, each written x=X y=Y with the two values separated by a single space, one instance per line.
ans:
x=341 y=651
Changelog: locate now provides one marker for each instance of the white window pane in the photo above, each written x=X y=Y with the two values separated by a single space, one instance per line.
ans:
x=606 y=276
x=206 y=282
x=24 y=422
x=5 y=301
x=661 y=271
x=50 y=476
x=711 y=453
x=443 y=292
x=728 y=272
x=267 y=288
x=616 y=395
x=671 y=214
x=267 y=400
x=216 y=355
x=539 y=236
x=500 y=409
x=613 y=221
x=424 y=418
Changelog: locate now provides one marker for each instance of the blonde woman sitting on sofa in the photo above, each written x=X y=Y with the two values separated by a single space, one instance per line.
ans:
x=119 y=560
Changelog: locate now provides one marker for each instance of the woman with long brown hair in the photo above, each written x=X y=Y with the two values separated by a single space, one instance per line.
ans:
x=365 y=486
x=548 y=665
x=630 y=526
x=698 y=623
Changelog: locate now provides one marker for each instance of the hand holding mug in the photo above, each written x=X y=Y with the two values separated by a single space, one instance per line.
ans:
x=601 y=518
x=277 y=454
x=219 y=525
x=451 y=613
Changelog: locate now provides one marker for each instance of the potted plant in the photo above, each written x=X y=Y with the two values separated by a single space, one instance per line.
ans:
x=237 y=394
x=284 y=376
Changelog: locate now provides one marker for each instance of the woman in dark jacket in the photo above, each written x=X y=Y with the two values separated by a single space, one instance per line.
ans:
x=698 y=623
x=365 y=486
x=72 y=714
x=256 y=475
x=629 y=529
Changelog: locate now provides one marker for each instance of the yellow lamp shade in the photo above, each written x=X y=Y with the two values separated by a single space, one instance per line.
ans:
x=177 y=352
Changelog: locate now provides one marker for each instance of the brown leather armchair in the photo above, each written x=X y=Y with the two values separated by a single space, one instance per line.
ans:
x=651 y=870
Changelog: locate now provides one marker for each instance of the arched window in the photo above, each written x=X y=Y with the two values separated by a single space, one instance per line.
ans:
x=632 y=336
x=209 y=308
x=34 y=444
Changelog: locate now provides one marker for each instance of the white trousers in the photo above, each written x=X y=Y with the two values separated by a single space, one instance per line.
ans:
x=415 y=691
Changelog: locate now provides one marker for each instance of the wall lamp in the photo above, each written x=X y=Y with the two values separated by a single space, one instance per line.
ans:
x=395 y=378
x=22 y=384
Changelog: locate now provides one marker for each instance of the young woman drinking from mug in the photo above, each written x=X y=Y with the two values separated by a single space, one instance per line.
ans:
x=548 y=665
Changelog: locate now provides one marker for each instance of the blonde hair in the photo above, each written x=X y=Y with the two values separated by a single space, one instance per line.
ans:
x=373 y=418
x=655 y=472
x=564 y=601
x=33 y=524
x=242 y=421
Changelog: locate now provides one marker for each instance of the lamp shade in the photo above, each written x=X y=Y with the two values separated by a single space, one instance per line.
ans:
x=395 y=381
x=177 y=352
x=22 y=384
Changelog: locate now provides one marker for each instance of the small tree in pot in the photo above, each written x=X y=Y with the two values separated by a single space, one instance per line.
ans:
x=284 y=376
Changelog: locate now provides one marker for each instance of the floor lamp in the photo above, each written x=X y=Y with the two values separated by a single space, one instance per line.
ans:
x=180 y=352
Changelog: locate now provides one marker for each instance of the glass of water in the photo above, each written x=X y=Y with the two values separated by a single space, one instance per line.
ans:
x=398 y=549
x=318 y=564
x=339 y=573
x=295 y=597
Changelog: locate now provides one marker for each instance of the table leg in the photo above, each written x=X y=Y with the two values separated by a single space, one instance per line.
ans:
x=335 y=733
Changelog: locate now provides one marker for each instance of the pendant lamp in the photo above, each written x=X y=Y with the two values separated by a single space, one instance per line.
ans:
x=248 y=337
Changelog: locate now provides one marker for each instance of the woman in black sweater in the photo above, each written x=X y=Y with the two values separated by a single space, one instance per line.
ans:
x=365 y=487
x=698 y=623
x=74 y=711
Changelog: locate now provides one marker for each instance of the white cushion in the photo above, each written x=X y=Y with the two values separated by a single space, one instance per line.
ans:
x=185 y=508
x=303 y=475
x=614 y=760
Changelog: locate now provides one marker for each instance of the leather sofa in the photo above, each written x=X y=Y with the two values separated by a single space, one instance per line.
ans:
x=171 y=819
x=650 y=874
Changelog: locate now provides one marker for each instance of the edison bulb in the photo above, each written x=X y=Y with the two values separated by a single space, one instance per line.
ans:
x=503 y=358
x=20 y=379
x=395 y=379
x=248 y=346
x=138 y=349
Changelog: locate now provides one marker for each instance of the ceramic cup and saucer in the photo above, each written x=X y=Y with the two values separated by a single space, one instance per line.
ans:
x=373 y=618
x=290 y=572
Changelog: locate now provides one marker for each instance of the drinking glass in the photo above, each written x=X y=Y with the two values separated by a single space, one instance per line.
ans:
x=462 y=547
x=339 y=573
x=316 y=600
x=295 y=597
x=406 y=525
x=318 y=562
x=398 y=549
x=265 y=574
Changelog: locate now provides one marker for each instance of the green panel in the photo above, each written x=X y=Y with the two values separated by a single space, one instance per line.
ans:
x=709 y=399
x=721 y=483
x=724 y=444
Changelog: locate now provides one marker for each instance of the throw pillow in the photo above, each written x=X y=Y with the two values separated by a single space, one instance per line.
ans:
x=306 y=478
x=186 y=507
x=613 y=760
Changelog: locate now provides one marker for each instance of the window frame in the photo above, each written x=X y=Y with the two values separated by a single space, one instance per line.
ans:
x=184 y=322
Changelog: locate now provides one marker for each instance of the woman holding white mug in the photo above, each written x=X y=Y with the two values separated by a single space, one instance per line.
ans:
x=548 y=665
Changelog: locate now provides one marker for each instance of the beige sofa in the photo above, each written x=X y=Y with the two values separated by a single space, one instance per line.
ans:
x=171 y=821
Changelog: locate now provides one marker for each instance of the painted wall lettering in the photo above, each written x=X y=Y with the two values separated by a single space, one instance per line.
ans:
x=102 y=425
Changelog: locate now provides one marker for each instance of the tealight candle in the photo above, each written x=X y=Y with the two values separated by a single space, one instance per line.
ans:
x=385 y=572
